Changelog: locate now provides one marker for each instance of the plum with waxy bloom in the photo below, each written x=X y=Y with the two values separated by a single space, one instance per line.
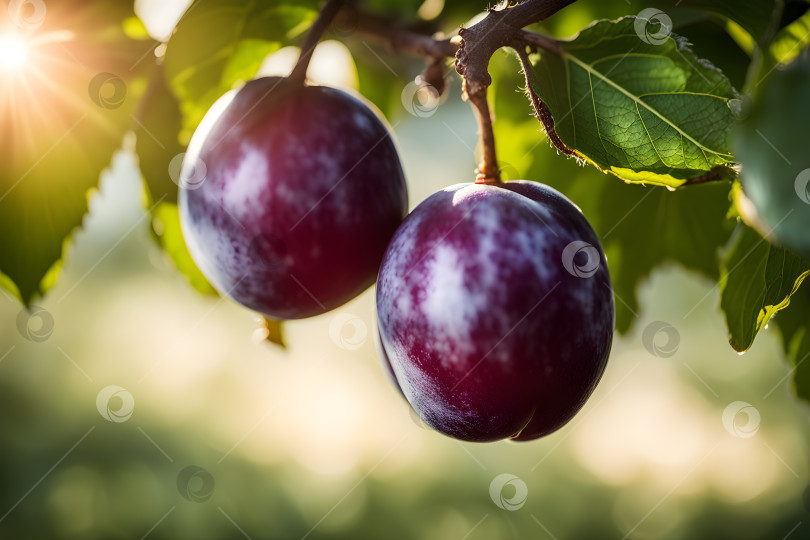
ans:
x=495 y=310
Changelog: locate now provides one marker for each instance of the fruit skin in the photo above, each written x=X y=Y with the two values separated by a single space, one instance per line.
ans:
x=488 y=334
x=385 y=363
x=302 y=192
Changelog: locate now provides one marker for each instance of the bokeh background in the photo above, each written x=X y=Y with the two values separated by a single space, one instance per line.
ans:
x=209 y=433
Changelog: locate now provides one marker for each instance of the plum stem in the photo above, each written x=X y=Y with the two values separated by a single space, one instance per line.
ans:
x=488 y=171
x=472 y=49
x=313 y=36
x=500 y=28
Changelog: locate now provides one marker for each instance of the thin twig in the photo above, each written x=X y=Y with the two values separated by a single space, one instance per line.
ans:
x=472 y=50
x=541 y=109
x=717 y=174
x=396 y=37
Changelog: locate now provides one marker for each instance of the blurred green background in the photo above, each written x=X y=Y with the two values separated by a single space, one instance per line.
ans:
x=230 y=438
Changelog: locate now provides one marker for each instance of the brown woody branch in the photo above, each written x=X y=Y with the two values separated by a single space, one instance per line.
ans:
x=472 y=50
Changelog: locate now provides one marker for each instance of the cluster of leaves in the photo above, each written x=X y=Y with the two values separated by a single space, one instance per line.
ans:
x=651 y=107
x=626 y=95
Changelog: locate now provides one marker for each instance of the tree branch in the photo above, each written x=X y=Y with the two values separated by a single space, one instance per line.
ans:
x=472 y=50
x=394 y=35
x=500 y=28
x=532 y=11
x=718 y=174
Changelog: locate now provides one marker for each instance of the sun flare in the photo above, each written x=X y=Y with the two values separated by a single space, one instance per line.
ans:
x=13 y=52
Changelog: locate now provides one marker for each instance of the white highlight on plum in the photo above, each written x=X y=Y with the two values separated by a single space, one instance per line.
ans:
x=460 y=195
x=362 y=121
x=404 y=305
x=451 y=308
x=241 y=194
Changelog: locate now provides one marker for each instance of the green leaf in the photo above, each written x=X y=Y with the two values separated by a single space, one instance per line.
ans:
x=775 y=160
x=166 y=226
x=159 y=157
x=647 y=111
x=157 y=129
x=759 y=18
x=712 y=41
x=757 y=280
x=794 y=325
x=219 y=43
x=642 y=228
x=790 y=40
x=62 y=116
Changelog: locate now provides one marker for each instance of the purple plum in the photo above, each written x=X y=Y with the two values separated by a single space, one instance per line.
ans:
x=495 y=310
x=289 y=195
